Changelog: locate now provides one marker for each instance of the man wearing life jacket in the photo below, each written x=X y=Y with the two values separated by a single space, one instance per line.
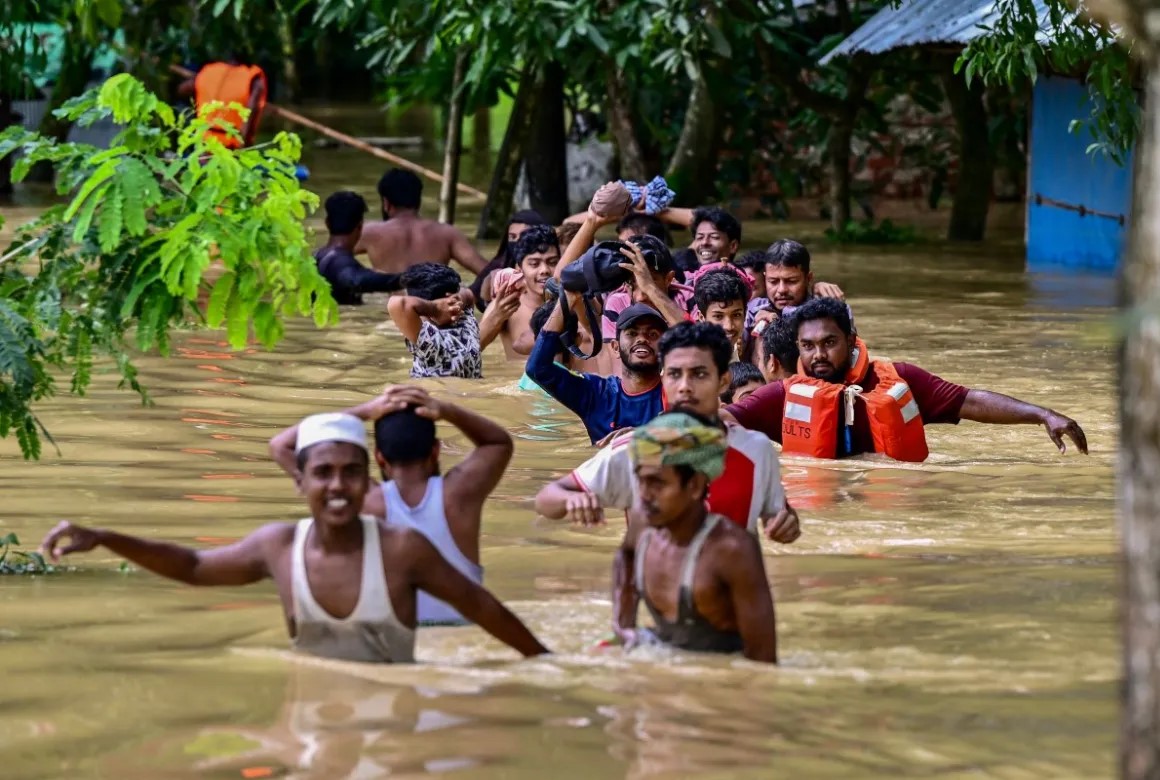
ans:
x=230 y=82
x=842 y=403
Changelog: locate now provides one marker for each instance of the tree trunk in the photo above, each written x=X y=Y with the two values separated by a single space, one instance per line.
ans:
x=75 y=66
x=453 y=146
x=692 y=171
x=976 y=164
x=838 y=141
x=493 y=218
x=546 y=164
x=621 y=124
x=290 y=86
x=1139 y=466
x=481 y=134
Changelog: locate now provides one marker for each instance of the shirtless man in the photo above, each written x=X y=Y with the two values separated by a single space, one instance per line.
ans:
x=509 y=315
x=404 y=238
x=447 y=510
x=701 y=577
x=348 y=584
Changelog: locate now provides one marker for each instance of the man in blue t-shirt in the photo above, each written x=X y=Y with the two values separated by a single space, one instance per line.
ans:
x=605 y=404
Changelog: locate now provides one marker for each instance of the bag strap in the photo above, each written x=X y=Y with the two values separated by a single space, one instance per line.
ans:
x=571 y=335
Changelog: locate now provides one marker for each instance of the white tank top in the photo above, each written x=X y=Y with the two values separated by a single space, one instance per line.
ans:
x=371 y=632
x=429 y=519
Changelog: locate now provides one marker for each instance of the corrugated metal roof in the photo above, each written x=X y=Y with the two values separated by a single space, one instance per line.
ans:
x=921 y=22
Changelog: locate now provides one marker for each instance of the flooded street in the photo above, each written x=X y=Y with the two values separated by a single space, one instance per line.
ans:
x=949 y=619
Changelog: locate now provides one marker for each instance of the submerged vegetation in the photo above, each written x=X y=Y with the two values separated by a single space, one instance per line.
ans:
x=15 y=561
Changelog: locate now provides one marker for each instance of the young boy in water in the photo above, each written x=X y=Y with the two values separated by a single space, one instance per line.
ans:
x=721 y=297
x=348 y=585
x=701 y=577
x=508 y=316
x=414 y=493
x=435 y=319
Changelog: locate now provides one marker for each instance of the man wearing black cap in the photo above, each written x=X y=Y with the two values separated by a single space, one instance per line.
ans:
x=605 y=404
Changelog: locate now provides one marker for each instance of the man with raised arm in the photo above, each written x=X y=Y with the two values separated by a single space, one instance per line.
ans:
x=348 y=583
x=414 y=493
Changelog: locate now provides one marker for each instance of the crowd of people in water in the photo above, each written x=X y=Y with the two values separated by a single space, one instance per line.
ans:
x=684 y=365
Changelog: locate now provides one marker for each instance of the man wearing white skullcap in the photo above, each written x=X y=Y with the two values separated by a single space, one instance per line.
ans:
x=348 y=583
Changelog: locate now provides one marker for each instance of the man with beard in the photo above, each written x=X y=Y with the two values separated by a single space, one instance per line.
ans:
x=404 y=238
x=695 y=360
x=520 y=291
x=701 y=577
x=841 y=403
x=605 y=404
x=348 y=583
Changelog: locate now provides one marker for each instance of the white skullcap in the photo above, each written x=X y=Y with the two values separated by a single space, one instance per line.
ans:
x=333 y=426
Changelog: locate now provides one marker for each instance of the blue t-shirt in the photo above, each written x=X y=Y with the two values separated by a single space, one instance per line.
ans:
x=600 y=402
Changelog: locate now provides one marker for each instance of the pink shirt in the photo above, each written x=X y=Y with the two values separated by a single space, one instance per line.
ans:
x=618 y=301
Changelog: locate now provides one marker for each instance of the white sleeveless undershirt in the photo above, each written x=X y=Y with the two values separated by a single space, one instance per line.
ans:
x=429 y=519
x=371 y=632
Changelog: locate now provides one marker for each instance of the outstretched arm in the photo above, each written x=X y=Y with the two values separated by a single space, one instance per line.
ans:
x=744 y=573
x=676 y=216
x=582 y=241
x=240 y=563
x=986 y=406
x=432 y=573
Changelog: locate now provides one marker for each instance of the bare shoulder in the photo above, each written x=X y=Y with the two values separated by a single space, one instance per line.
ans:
x=400 y=544
x=730 y=544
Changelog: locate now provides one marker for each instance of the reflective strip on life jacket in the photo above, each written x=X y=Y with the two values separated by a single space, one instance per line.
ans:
x=910 y=408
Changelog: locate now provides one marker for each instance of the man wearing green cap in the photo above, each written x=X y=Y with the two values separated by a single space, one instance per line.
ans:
x=701 y=577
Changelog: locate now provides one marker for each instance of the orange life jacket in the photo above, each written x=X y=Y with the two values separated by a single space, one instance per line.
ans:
x=811 y=419
x=225 y=83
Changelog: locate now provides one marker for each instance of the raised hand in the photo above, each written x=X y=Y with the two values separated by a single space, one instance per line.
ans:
x=399 y=397
x=448 y=310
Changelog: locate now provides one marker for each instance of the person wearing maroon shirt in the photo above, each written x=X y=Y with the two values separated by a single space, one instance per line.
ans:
x=826 y=343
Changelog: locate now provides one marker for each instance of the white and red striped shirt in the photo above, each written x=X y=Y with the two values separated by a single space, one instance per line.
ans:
x=749 y=489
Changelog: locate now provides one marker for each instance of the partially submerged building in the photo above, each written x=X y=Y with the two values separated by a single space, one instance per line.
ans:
x=1078 y=203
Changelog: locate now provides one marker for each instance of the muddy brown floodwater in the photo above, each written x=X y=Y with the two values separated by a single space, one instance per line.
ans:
x=949 y=619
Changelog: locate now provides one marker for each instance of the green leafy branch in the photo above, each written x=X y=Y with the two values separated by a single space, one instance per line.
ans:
x=1020 y=44
x=148 y=226
x=13 y=561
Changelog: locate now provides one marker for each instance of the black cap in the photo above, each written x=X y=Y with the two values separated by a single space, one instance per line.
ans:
x=638 y=311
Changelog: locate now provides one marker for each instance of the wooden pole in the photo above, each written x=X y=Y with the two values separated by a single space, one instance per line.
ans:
x=350 y=141
x=453 y=146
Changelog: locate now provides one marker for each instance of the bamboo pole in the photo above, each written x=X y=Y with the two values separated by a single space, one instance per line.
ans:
x=453 y=144
x=330 y=132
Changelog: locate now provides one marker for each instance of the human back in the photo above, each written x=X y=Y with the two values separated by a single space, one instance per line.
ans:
x=403 y=238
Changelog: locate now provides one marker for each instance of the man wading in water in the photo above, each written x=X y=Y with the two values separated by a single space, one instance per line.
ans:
x=404 y=238
x=414 y=494
x=701 y=577
x=348 y=584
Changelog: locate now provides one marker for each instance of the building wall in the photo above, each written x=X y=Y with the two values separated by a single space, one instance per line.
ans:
x=1061 y=169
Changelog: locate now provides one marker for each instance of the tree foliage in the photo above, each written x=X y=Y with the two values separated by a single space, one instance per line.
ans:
x=133 y=247
x=1021 y=43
